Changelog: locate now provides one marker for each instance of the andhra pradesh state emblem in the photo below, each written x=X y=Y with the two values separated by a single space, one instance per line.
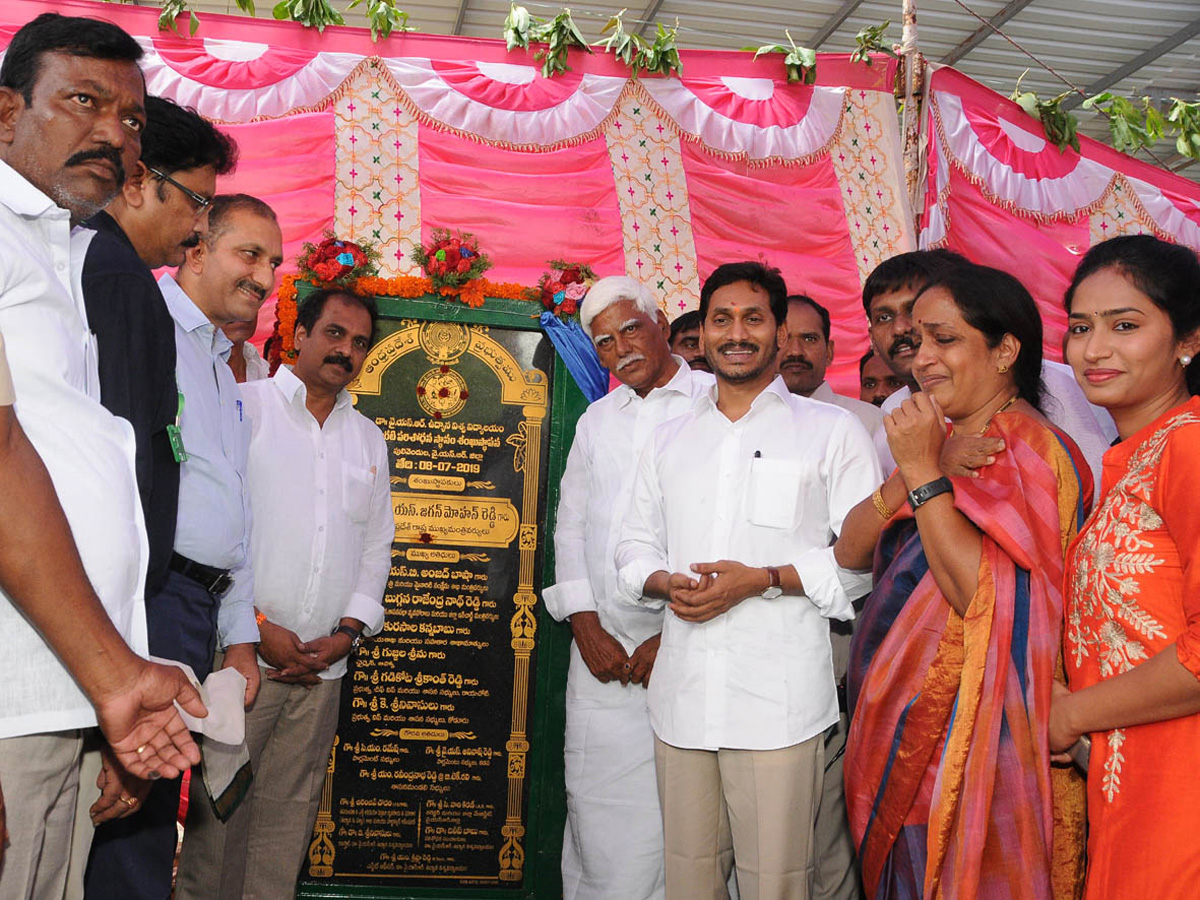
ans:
x=442 y=392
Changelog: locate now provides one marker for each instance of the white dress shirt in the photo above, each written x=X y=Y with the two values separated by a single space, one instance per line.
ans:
x=869 y=414
x=213 y=526
x=592 y=495
x=257 y=368
x=322 y=503
x=87 y=451
x=771 y=488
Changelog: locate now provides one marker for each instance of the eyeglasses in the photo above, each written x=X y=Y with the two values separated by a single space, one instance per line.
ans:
x=199 y=200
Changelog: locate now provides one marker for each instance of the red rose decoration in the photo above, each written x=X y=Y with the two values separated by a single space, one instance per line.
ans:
x=571 y=274
x=568 y=307
x=463 y=267
x=554 y=287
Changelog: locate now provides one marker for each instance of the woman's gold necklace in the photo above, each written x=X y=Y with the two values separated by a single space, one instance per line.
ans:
x=1009 y=402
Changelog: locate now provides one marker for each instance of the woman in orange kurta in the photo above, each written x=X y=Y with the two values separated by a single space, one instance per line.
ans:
x=1132 y=640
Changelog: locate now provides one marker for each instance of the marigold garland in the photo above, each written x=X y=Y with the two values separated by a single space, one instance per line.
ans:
x=406 y=287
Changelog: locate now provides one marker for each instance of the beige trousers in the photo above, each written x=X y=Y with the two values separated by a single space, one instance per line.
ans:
x=259 y=852
x=39 y=775
x=835 y=862
x=753 y=806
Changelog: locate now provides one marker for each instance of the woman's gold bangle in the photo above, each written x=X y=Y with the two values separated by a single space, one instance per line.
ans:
x=881 y=507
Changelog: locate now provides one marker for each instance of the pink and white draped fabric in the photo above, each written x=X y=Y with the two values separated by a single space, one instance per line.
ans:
x=998 y=192
x=660 y=178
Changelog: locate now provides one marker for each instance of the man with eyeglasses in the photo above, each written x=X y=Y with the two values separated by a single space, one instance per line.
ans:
x=148 y=225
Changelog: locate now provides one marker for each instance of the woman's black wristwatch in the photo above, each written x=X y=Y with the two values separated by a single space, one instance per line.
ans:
x=926 y=492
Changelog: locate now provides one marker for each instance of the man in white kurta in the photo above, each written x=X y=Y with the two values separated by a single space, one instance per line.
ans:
x=732 y=516
x=613 y=842
x=320 y=496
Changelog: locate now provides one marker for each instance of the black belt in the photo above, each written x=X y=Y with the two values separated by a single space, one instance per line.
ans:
x=215 y=581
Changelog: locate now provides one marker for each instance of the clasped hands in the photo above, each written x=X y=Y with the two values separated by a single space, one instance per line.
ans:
x=719 y=587
x=294 y=661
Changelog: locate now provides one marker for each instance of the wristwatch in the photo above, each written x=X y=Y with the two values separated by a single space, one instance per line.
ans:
x=775 y=588
x=353 y=633
x=921 y=495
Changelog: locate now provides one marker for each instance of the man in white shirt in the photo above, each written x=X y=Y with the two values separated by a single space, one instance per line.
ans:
x=808 y=353
x=71 y=108
x=208 y=598
x=733 y=512
x=804 y=359
x=320 y=494
x=613 y=844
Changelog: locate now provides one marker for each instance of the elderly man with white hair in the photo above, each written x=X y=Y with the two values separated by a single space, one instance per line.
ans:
x=613 y=846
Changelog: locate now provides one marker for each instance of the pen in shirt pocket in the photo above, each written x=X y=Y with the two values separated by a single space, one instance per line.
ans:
x=239 y=403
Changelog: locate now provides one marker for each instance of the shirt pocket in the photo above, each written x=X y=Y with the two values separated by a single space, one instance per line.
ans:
x=357 y=486
x=773 y=492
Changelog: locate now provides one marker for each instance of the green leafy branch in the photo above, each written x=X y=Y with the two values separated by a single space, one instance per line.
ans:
x=659 y=57
x=559 y=35
x=800 y=62
x=384 y=17
x=172 y=10
x=1132 y=127
x=871 y=40
x=1059 y=125
x=1184 y=119
x=313 y=13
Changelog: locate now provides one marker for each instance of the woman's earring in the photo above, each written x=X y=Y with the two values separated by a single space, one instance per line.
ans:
x=1185 y=360
x=1004 y=369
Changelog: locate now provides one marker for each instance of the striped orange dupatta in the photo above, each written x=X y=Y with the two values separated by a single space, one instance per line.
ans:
x=949 y=787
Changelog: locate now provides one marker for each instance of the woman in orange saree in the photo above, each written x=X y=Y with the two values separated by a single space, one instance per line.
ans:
x=949 y=785
x=1133 y=575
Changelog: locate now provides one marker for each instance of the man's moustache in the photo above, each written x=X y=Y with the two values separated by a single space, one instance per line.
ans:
x=796 y=361
x=106 y=153
x=900 y=343
x=253 y=288
x=630 y=360
x=738 y=345
x=339 y=360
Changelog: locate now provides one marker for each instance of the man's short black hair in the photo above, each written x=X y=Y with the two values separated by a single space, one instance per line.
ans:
x=862 y=363
x=310 y=309
x=224 y=205
x=821 y=311
x=54 y=33
x=911 y=271
x=178 y=138
x=686 y=322
x=765 y=278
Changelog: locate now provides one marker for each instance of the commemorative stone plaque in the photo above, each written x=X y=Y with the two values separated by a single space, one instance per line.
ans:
x=429 y=784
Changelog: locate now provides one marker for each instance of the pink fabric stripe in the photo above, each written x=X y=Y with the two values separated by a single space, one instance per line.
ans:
x=291 y=169
x=793 y=218
x=541 y=93
x=525 y=208
x=190 y=59
x=786 y=107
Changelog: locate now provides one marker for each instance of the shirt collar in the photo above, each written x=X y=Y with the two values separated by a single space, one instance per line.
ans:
x=290 y=385
x=19 y=194
x=679 y=383
x=187 y=314
x=777 y=389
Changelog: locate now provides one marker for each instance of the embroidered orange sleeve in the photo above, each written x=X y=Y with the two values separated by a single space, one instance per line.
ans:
x=1178 y=493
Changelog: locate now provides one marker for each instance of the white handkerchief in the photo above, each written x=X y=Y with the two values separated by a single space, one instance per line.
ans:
x=224 y=693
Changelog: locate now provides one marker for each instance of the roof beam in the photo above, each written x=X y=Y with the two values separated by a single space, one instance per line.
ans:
x=984 y=31
x=648 y=15
x=1163 y=47
x=833 y=23
x=462 y=15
